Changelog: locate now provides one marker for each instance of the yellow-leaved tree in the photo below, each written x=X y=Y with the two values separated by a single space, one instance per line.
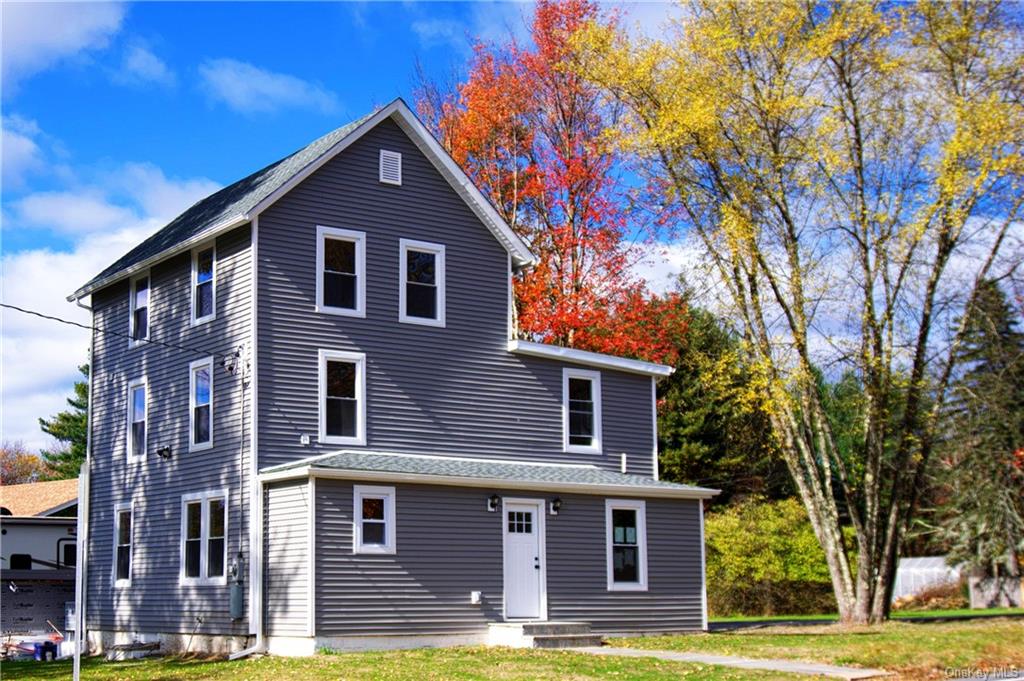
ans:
x=850 y=171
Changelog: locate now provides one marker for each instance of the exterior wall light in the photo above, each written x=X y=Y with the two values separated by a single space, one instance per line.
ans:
x=555 y=505
x=492 y=502
x=164 y=452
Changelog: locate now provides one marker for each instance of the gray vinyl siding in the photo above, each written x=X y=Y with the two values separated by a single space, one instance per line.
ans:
x=453 y=390
x=448 y=544
x=155 y=602
x=286 y=557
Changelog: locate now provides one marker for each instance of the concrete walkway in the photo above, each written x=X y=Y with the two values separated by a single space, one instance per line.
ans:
x=774 y=665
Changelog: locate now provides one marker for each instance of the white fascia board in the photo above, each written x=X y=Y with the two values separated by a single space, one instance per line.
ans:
x=633 y=366
x=458 y=481
x=180 y=247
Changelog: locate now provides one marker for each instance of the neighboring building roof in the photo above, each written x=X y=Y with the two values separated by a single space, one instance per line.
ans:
x=597 y=359
x=242 y=201
x=471 y=472
x=39 y=498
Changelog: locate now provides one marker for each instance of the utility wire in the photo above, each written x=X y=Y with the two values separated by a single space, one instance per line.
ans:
x=172 y=346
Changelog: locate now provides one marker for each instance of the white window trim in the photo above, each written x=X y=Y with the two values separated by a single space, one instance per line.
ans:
x=204 y=535
x=360 y=361
x=132 y=343
x=595 y=378
x=196 y=321
x=137 y=383
x=380 y=167
x=118 y=509
x=359 y=239
x=192 y=445
x=641 y=535
x=439 y=269
x=390 y=529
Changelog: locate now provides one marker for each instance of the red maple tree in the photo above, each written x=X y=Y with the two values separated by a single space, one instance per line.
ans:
x=529 y=131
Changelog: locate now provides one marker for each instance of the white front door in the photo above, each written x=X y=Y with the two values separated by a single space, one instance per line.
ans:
x=524 y=560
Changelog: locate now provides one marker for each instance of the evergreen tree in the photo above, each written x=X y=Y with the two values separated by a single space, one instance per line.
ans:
x=982 y=517
x=711 y=429
x=69 y=427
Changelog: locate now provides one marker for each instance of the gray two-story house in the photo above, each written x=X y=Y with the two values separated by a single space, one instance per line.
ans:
x=312 y=425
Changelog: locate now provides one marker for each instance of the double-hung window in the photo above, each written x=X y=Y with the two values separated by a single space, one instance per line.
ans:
x=204 y=519
x=123 y=544
x=341 y=271
x=200 y=404
x=342 y=397
x=421 y=283
x=204 y=284
x=373 y=519
x=138 y=310
x=626 y=522
x=581 y=410
x=137 y=411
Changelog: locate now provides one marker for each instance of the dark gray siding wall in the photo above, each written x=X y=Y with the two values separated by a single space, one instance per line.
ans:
x=286 y=551
x=448 y=544
x=155 y=602
x=455 y=390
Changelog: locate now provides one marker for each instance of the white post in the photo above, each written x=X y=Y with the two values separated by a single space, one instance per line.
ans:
x=80 y=554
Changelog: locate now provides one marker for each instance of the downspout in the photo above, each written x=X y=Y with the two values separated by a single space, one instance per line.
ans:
x=82 y=540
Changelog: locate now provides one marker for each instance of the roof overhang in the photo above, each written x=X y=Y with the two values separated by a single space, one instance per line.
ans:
x=633 y=366
x=421 y=137
x=313 y=471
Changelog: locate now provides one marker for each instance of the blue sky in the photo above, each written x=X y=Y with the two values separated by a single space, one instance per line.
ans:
x=116 y=117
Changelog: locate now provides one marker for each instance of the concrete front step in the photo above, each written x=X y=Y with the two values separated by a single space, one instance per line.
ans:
x=542 y=634
x=567 y=641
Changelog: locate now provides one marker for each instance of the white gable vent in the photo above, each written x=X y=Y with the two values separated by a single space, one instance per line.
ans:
x=390 y=167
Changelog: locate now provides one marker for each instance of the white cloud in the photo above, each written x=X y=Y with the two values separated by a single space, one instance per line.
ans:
x=21 y=154
x=441 y=32
x=249 y=89
x=36 y=35
x=39 y=357
x=139 y=66
x=649 y=19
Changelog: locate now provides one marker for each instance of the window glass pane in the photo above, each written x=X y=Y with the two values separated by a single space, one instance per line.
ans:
x=202 y=385
x=624 y=525
x=201 y=432
x=124 y=527
x=624 y=564
x=580 y=389
x=339 y=256
x=216 y=518
x=581 y=424
x=204 y=300
x=420 y=267
x=373 y=532
x=138 y=438
x=204 y=266
x=341 y=417
x=373 y=509
x=421 y=301
x=124 y=558
x=142 y=293
x=70 y=558
x=340 y=290
x=193 y=520
x=138 y=404
x=140 y=323
x=215 y=558
x=192 y=558
x=341 y=379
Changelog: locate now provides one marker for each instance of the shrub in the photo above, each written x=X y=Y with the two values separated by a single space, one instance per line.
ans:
x=946 y=596
x=763 y=559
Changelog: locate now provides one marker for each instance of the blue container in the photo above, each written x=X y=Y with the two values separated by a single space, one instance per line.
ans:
x=46 y=651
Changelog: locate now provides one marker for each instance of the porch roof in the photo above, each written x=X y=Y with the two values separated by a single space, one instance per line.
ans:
x=480 y=472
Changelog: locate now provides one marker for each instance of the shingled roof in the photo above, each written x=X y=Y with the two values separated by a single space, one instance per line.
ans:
x=482 y=472
x=238 y=203
x=39 y=498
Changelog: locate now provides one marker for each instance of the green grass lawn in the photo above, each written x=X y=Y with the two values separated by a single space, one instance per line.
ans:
x=901 y=614
x=485 y=664
x=913 y=650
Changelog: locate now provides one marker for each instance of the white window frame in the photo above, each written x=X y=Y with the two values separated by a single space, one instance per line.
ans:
x=380 y=167
x=130 y=435
x=132 y=343
x=357 y=238
x=404 y=246
x=118 y=509
x=595 y=381
x=204 y=498
x=194 y=446
x=640 y=507
x=359 y=359
x=390 y=529
x=211 y=246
